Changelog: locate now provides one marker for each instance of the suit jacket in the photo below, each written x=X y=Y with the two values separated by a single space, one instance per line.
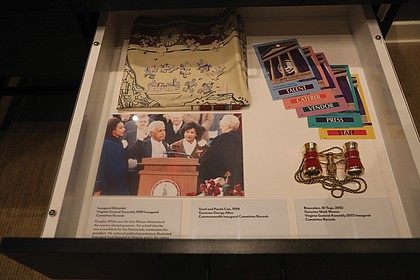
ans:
x=143 y=149
x=171 y=135
x=224 y=154
x=131 y=137
x=130 y=125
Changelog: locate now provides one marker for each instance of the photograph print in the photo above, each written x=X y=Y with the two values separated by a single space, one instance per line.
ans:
x=171 y=154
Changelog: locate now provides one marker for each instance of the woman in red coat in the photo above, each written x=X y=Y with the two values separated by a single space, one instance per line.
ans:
x=190 y=145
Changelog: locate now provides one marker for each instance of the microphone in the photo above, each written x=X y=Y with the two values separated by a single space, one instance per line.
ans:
x=178 y=153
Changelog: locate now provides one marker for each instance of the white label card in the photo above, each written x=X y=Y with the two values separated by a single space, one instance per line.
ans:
x=135 y=218
x=239 y=218
x=346 y=218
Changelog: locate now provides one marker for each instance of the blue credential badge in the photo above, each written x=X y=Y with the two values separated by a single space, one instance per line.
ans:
x=286 y=69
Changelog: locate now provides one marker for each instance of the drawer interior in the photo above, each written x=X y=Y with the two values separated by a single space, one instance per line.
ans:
x=272 y=136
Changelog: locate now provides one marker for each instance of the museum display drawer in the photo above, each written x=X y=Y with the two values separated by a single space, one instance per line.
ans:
x=348 y=35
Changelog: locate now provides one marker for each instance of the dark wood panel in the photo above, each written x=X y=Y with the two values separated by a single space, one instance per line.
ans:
x=217 y=259
x=111 y=5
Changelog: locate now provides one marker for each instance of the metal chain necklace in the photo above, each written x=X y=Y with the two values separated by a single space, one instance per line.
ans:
x=330 y=181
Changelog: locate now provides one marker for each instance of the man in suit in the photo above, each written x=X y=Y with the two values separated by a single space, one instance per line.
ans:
x=153 y=147
x=138 y=134
x=127 y=120
x=173 y=128
x=225 y=154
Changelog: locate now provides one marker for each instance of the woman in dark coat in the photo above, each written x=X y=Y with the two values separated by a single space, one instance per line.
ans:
x=111 y=178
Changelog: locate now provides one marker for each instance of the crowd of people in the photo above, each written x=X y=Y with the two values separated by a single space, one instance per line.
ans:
x=130 y=138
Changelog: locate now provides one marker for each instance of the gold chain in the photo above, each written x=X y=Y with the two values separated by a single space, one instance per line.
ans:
x=336 y=186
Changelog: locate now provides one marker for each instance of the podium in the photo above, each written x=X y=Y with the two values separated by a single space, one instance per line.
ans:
x=168 y=176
